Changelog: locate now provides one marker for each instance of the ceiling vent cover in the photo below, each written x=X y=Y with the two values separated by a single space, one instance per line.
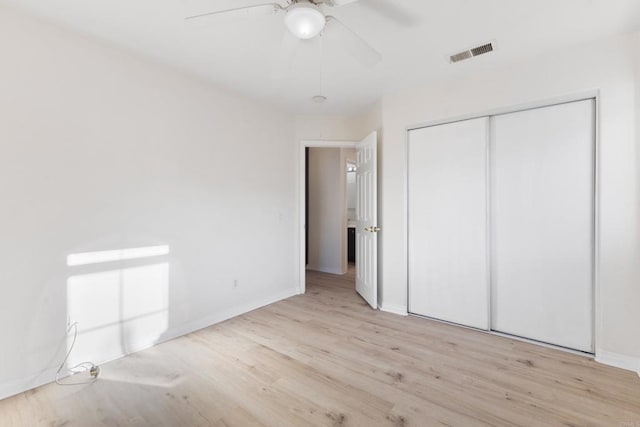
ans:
x=470 y=53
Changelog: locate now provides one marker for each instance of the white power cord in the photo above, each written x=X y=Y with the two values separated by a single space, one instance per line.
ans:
x=94 y=370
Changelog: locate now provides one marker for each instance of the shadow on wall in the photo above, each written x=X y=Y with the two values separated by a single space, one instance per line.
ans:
x=119 y=299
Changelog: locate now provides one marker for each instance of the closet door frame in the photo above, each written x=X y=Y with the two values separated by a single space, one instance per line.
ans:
x=595 y=273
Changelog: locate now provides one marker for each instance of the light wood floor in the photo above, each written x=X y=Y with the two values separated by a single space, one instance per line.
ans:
x=325 y=358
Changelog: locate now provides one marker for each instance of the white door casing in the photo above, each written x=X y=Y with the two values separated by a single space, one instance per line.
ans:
x=367 y=220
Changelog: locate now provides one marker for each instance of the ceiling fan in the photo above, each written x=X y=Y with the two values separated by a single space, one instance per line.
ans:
x=306 y=19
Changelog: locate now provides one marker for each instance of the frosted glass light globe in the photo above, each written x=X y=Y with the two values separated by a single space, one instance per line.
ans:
x=304 y=20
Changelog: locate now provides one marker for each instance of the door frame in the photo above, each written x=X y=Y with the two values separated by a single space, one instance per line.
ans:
x=547 y=102
x=309 y=143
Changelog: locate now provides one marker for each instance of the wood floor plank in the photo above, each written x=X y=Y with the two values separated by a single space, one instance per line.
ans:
x=327 y=359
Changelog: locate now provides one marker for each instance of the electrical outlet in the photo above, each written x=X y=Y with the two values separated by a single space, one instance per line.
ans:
x=235 y=283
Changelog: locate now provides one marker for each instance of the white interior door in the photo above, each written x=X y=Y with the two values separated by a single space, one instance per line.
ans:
x=448 y=262
x=367 y=219
x=542 y=186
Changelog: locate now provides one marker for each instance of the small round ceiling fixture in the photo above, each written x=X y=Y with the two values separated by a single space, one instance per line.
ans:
x=319 y=99
x=305 y=20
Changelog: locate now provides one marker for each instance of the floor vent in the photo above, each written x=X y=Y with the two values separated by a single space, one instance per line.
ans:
x=470 y=53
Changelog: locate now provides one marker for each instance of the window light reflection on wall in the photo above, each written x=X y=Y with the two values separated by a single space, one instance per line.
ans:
x=116 y=255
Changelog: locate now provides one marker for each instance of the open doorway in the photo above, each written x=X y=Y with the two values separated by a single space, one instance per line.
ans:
x=330 y=216
x=327 y=251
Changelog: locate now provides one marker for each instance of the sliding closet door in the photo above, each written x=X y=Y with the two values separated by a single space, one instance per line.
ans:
x=447 y=222
x=542 y=192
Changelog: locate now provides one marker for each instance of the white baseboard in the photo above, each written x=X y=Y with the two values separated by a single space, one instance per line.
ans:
x=395 y=309
x=623 y=361
x=196 y=325
x=12 y=388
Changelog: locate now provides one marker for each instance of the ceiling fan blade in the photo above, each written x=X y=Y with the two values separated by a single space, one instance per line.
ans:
x=240 y=12
x=353 y=43
x=389 y=10
x=338 y=3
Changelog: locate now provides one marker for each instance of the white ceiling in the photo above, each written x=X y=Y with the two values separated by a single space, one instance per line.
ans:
x=414 y=36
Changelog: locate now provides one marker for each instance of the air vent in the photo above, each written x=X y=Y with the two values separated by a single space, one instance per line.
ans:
x=461 y=56
x=481 y=50
x=470 y=53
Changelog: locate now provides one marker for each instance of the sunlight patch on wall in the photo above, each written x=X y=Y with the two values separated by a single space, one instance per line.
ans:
x=86 y=258
x=118 y=311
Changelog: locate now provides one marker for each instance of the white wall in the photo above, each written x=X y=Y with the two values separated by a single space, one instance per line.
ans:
x=327 y=210
x=327 y=128
x=608 y=65
x=340 y=128
x=101 y=150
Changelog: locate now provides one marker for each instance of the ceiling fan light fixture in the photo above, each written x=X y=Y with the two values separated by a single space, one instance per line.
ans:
x=305 y=20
